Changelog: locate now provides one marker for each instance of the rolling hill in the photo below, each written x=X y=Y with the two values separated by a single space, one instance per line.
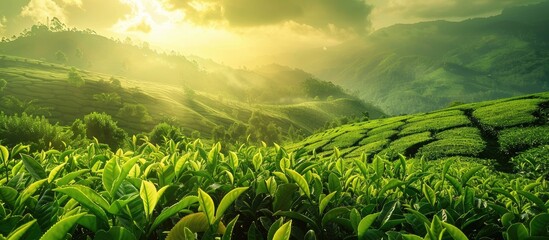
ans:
x=492 y=132
x=410 y=68
x=43 y=88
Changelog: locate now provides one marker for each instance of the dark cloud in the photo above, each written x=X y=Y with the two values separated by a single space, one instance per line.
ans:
x=320 y=14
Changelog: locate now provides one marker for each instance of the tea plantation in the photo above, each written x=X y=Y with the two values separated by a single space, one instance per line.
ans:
x=476 y=171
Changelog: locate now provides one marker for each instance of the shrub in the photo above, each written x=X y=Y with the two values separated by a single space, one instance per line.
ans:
x=516 y=139
x=102 y=127
x=435 y=124
x=3 y=84
x=37 y=132
x=74 y=78
x=509 y=114
x=134 y=112
x=451 y=147
x=533 y=163
x=165 y=131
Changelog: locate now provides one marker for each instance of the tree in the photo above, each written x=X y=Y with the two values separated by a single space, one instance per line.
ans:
x=56 y=25
x=3 y=84
x=136 y=112
x=37 y=132
x=61 y=57
x=108 y=99
x=102 y=127
x=74 y=78
x=165 y=131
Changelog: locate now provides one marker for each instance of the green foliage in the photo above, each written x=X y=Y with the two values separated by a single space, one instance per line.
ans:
x=102 y=127
x=3 y=84
x=74 y=78
x=134 y=113
x=435 y=124
x=108 y=99
x=37 y=132
x=532 y=163
x=164 y=131
x=14 y=105
x=508 y=114
x=517 y=139
x=322 y=89
x=60 y=57
x=262 y=192
x=452 y=147
x=402 y=144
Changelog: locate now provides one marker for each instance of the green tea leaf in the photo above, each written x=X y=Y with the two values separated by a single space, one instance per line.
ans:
x=454 y=231
x=392 y=184
x=33 y=167
x=54 y=172
x=61 y=228
x=126 y=168
x=29 y=191
x=8 y=195
x=149 y=196
x=533 y=198
x=429 y=194
x=227 y=200
x=324 y=202
x=4 y=154
x=207 y=205
x=333 y=214
x=517 y=231
x=469 y=174
x=365 y=223
x=229 y=230
x=172 y=210
x=275 y=226
x=20 y=231
x=84 y=200
x=300 y=180
x=284 y=232
x=196 y=222
x=69 y=177
x=539 y=225
x=110 y=173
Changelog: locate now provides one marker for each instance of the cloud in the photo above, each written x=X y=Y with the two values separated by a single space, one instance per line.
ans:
x=328 y=15
x=141 y=26
x=3 y=21
x=97 y=14
x=436 y=9
x=41 y=10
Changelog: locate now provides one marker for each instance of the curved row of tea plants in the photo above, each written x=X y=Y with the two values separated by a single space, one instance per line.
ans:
x=183 y=190
x=498 y=130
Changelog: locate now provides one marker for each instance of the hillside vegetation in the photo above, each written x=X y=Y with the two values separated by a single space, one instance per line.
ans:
x=42 y=88
x=505 y=134
x=181 y=189
x=410 y=68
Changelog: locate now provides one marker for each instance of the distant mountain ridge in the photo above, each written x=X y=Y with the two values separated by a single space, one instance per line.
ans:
x=409 y=68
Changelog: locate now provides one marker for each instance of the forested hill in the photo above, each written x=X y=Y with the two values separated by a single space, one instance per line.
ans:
x=410 y=68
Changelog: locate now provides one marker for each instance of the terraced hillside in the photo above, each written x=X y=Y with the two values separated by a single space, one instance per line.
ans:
x=494 y=130
x=44 y=87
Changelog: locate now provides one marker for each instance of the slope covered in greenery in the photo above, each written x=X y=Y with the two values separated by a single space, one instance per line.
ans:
x=410 y=68
x=182 y=189
x=504 y=133
x=41 y=88
x=271 y=84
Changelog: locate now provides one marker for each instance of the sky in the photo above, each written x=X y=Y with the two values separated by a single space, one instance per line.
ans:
x=237 y=32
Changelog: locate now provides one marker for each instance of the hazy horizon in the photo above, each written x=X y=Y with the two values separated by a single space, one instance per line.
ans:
x=238 y=32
